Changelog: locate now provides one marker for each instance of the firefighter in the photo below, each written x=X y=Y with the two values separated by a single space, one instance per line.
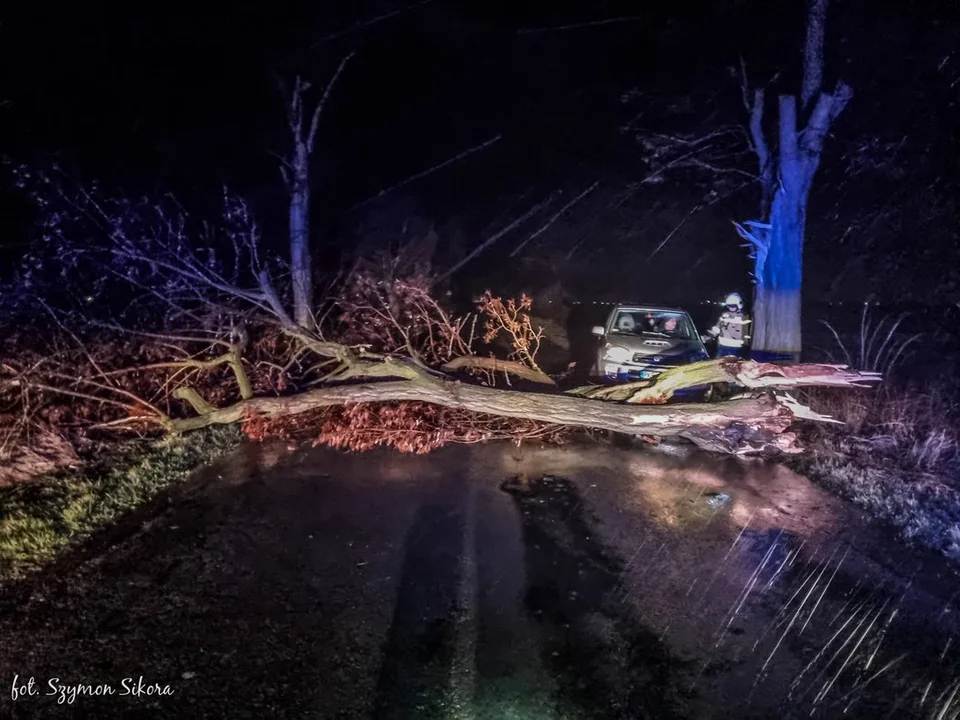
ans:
x=732 y=331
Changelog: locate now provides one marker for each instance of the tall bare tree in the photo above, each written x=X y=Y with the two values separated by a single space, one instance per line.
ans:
x=786 y=176
x=295 y=169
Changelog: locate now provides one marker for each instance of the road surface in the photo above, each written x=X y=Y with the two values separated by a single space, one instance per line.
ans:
x=482 y=582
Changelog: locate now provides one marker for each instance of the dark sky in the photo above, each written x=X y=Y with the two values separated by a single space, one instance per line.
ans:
x=166 y=95
x=182 y=87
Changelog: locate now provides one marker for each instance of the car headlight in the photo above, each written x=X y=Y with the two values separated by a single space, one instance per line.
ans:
x=617 y=354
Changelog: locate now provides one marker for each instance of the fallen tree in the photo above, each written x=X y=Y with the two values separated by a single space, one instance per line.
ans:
x=380 y=339
x=748 y=424
x=757 y=421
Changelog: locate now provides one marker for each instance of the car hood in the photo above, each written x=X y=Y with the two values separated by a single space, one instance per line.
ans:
x=653 y=344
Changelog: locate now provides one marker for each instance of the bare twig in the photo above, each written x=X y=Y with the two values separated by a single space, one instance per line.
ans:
x=73 y=335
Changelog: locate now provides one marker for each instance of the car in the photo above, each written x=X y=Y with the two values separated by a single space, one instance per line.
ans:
x=639 y=342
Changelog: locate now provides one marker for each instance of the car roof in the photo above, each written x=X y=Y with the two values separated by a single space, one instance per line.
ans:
x=633 y=306
x=647 y=308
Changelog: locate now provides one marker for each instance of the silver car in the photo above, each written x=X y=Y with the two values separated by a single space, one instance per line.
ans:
x=640 y=342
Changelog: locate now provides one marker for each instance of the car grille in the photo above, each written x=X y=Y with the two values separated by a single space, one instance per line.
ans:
x=658 y=360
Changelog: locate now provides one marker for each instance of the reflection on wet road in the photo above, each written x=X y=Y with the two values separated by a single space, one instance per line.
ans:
x=493 y=582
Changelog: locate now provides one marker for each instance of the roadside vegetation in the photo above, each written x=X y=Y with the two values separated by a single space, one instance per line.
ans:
x=42 y=516
x=897 y=453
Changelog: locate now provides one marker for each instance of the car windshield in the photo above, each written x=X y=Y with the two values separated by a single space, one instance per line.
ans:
x=663 y=323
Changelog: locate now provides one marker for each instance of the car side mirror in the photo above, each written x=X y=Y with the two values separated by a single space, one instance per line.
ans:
x=598 y=330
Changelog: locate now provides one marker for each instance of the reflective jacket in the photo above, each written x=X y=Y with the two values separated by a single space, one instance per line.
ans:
x=732 y=330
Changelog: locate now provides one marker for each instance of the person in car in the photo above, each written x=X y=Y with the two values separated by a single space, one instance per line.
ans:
x=732 y=331
x=669 y=326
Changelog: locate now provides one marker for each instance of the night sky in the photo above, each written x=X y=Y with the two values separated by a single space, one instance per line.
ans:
x=165 y=96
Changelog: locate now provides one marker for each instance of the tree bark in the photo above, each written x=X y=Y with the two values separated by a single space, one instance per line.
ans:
x=813 y=51
x=745 y=425
x=777 y=317
x=300 y=266
x=496 y=365
x=744 y=373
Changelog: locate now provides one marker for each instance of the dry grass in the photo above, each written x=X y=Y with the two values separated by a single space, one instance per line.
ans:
x=878 y=346
x=897 y=456
x=911 y=422
x=897 y=453
x=915 y=426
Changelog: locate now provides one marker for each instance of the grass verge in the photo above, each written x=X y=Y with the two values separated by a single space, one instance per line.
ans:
x=897 y=456
x=39 y=518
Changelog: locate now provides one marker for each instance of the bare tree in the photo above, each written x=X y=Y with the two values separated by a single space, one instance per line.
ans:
x=786 y=166
x=295 y=169
x=786 y=178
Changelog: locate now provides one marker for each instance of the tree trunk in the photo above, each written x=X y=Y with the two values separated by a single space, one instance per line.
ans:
x=741 y=426
x=747 y=425
x=296 y=173
x=777 y=335
x=813 y=51
x=300 y=270
x=778 y=242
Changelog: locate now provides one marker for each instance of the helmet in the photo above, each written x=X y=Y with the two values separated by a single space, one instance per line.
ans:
x=734 y=299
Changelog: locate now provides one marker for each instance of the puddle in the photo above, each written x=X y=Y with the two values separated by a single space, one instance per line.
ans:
x=786 y=601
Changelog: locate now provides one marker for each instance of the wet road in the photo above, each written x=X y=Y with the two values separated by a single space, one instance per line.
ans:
x=489 y=582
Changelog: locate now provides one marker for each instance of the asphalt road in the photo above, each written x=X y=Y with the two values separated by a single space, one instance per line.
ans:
x=472 y=583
